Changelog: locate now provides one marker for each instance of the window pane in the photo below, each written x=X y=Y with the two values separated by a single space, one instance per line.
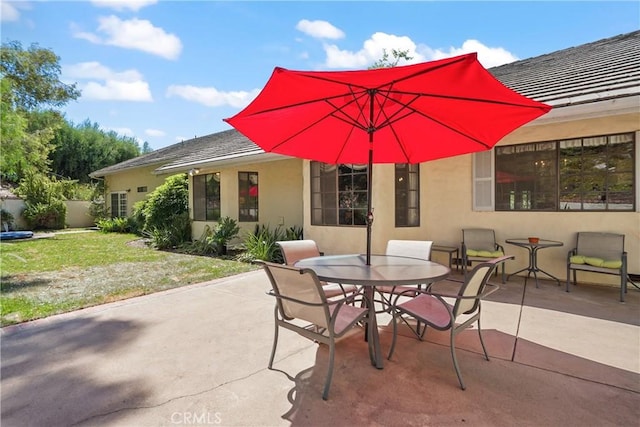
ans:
x=248 y=196
x=526 y=177
x=338 y=194
x=603 y=178
x=206 y=197
x=594 y=174
x=407 y=195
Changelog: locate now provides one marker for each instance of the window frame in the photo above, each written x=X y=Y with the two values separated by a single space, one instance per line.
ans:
x=410 y=175
x=248 y=204
x=562 y=176
x=212 y=208
x=122 y=201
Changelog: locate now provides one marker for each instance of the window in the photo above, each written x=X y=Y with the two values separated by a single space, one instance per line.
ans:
x=338 y=194
x=586 y=174
x=206 y=197
x=407 y=183
x=119 y=205
x=248 y=196
x=142 y=189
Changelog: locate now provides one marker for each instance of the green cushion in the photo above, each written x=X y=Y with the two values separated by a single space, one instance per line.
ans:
x=596 y=262
x=577 y=259
x=485 y=254
x=612 y=264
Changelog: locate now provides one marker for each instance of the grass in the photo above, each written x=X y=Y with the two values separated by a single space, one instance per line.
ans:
x=70 y=271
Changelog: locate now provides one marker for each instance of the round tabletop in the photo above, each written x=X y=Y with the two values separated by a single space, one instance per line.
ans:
x=540 y=243
x=384 y=269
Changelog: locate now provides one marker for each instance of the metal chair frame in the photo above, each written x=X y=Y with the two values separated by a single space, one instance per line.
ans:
x=428 y=305
x=299 y=296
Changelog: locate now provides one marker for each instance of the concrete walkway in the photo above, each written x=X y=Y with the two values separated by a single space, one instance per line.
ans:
x=197 y=356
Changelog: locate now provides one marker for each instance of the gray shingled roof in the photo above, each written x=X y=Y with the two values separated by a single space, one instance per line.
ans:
x=225 y=143
x=602 y=70
x=605 y=69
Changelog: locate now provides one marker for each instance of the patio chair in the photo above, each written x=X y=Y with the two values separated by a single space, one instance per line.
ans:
x=295 y=250
x=479 y=245
x=405 y=248
x=598 y=253
x=431 y=308
x=300 y=298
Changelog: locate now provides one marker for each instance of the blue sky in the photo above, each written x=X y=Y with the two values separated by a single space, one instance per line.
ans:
x=165 y=71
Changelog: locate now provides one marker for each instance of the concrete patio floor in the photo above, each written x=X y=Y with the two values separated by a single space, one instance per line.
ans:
x=198 y=356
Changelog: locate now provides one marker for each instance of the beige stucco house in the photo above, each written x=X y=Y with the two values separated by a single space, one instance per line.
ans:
x=574 y=169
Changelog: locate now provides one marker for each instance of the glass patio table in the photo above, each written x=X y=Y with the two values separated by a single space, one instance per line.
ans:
x=383 y=270
x=533 y=249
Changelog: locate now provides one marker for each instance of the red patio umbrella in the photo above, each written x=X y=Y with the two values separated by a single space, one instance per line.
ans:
x=406 y=114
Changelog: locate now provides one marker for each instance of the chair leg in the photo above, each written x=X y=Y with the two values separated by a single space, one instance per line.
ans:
x=503 y=275
x=486 y=355
x=275 y=340
x=568 y=278
x=623 y=286
x=395 y=334
x=455 y=360
x=327 y=383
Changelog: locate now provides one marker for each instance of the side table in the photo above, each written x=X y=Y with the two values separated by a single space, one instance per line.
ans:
x=533 y=249
x=449 y=250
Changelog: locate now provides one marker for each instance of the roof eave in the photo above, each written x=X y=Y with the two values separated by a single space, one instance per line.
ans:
x=257 y=156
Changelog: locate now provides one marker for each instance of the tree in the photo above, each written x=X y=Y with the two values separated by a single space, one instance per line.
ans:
x=30 y=87
x=34 y=75
x=25 y=145
x=81 y=149
x=386 y=62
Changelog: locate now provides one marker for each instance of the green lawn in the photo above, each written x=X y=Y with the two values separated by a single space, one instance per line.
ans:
x=41 y=277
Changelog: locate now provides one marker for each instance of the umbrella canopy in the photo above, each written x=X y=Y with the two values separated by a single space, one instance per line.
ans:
x=406 y=114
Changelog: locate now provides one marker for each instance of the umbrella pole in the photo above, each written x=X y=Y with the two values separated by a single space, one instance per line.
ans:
x=369 y=209
x=372 y=94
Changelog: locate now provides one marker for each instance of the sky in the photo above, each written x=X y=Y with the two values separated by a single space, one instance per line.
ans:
x=166 y=71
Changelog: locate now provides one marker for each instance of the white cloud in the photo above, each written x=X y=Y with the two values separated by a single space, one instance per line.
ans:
x=488 y=56
x=121 y=131
x=154 y=132
x=107 y=85
x=121 y=5
x=212 y=97
x=10 y=11
x=372 y=51
x=134 y=33
x=319 y=29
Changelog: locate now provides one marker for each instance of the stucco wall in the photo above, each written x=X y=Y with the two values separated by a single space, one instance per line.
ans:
x=280 y=195
x=77 y=213
x=446 y=207
x=129 y=181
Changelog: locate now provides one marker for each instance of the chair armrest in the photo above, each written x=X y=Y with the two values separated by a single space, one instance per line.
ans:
x=349 y=298
x=440 y=295
x=499 y=247
x=298 y=301
x=571 y=253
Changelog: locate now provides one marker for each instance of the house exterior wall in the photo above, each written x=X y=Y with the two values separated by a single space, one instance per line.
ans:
x=446 y=188
x=129 y=180
x=279 y=200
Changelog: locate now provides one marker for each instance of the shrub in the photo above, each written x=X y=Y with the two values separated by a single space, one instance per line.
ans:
x=173 y=233
x=44 y=201
x=114 y=225
x=261 y=245
x=166 y=213
x=45 y=215
x=6 y=220
x=214 y=241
